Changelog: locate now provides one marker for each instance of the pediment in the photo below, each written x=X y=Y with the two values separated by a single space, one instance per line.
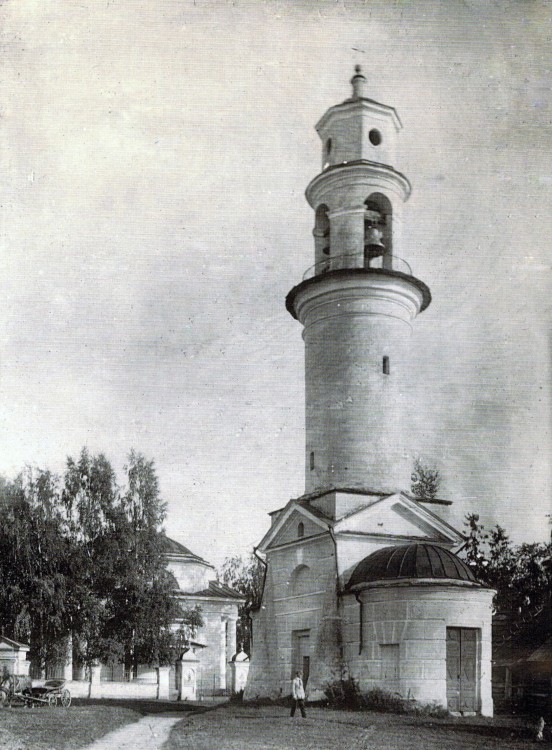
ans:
x=285 y=530
x=399 y=516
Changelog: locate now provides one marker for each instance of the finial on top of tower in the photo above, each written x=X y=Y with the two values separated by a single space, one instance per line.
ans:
x=359 y=82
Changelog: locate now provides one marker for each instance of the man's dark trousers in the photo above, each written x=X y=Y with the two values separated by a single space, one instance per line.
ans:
x=301 y=703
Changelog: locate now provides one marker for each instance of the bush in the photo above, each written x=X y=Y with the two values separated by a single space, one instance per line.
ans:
x=385 y=702
x=346 y=694
x=433 y=710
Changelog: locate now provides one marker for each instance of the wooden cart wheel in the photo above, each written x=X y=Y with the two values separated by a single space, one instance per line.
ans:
x=65 y=698
x=52 y=700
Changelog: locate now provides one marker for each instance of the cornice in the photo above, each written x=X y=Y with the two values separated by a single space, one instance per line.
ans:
x=361 y=170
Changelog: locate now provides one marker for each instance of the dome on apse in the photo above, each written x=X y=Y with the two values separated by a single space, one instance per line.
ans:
x=411 y=561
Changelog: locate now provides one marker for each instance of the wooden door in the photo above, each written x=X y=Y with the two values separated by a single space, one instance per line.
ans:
x=306 y=670
x=301 y=653
x=462 y=669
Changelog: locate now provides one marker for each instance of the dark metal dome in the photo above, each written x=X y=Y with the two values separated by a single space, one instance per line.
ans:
x=411 y=561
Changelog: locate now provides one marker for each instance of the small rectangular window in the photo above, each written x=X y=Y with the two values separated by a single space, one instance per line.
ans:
x=312 y=461
x=386 y=366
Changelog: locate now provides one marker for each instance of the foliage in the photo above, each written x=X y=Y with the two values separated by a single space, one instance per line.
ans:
x=521 y=574
x=37 y=599
x=82 y=557
x=246 y=575
x=141 y=606
x=346 y=694
x=425 y=481
x=433 y=709
x=237 y=697
x=190 y=620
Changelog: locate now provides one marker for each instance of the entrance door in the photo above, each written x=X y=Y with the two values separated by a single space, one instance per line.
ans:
x=462 y=669
x=301 y=653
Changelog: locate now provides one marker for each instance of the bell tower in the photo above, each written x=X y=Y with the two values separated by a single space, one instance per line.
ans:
x=357 y=304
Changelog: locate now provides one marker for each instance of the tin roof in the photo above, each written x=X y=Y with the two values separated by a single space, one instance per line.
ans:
x=216 y=590
x=172 y=547
x=418 y=560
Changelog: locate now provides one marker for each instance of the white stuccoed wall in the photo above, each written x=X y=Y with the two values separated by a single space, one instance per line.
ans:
x=416 y=617
x=355 y=412
x=284 y=611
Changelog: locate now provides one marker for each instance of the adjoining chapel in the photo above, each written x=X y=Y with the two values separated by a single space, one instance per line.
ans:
x=362 y=579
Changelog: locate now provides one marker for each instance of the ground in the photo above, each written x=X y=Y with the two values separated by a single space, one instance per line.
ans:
x=244 y=727
x=144 y=725
x=80 y=725
x=59 y=728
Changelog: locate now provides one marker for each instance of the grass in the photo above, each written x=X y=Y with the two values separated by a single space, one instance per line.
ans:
x=246 y=727
x=59 y=728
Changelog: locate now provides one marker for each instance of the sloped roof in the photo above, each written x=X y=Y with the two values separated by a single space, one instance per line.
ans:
x=172 y=547
x=315 y=511
x=542 y=655
x=427 y=561
x=12 y=643
x=216 y=590
x=524 y=642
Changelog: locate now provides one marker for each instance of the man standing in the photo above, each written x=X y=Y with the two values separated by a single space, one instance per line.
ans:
x=298 y=695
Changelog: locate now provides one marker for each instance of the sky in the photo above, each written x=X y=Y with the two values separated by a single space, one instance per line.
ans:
x=154 y=160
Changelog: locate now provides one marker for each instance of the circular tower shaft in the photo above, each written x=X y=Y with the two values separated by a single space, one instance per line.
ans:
x=356 y=305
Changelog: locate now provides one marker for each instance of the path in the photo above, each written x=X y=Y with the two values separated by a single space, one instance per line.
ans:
x=148 y=733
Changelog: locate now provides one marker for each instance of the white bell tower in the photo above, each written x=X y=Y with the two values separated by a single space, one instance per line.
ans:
x=357 y=304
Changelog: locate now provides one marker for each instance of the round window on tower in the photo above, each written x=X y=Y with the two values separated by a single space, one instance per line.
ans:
x=375 y=137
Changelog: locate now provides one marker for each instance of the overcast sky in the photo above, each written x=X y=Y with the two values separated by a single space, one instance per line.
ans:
x=155 y=156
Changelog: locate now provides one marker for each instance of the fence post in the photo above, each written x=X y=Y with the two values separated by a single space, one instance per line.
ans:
x=239 y=668
x=163 y=678
x=188 y=676
x=95 y=675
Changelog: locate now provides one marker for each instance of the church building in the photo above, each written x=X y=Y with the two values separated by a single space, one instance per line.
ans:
x=196 y=585
x=212 y=646
x=362 y=579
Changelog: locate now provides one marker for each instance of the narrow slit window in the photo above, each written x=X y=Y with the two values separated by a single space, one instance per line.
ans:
x=300 y=530
x=312 y=461
x=386 y=366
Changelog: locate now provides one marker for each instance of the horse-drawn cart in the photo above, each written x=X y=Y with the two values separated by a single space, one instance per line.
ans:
x=19 y=690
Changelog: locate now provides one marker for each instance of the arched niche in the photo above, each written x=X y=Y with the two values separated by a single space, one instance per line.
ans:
x=378 y=230
x=302 y=580
x=322 y=233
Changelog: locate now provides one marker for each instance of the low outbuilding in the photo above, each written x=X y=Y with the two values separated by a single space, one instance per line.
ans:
x=13 y=657
x=419 y=623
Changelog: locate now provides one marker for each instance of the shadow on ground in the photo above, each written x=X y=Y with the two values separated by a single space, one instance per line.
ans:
x=145 y=708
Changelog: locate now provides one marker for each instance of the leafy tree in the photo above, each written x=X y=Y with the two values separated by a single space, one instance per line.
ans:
x=37 y=599
x=521 y=574
x=190 y=620
x=246 y=575
x=90 y=500
x=86 y=558
x=142 y=606
x=425 y=481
